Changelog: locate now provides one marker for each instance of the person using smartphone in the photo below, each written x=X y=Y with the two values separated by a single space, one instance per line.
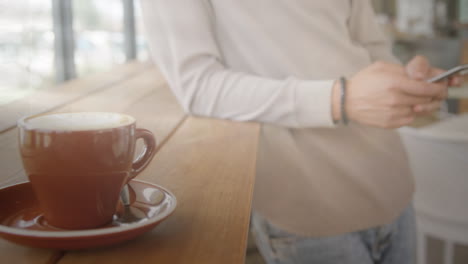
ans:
x=333 y=183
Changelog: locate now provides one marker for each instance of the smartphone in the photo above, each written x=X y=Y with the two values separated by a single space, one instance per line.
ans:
x=461 y=69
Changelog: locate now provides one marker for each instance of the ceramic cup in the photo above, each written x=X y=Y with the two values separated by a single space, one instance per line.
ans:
x=78 y=163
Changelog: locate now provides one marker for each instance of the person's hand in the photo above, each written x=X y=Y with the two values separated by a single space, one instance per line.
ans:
x=383 y=95
x=419 y=68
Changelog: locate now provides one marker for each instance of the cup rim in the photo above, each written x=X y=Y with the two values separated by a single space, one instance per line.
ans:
x=22 y=122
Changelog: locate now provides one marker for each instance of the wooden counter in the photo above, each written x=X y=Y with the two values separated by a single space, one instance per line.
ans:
x=208 y=164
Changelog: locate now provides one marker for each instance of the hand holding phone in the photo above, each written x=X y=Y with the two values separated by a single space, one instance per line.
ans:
x=461 y=69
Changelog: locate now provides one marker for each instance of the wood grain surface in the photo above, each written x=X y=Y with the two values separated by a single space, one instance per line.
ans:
x=208 y=164
x=143 y=95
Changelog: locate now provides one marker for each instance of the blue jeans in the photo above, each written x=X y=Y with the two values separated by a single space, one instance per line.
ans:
x=388 y=244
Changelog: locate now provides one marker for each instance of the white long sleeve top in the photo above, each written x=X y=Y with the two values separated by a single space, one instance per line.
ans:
x=275 y=62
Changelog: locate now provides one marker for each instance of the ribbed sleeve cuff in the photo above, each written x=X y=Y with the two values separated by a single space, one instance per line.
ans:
x=313 y=104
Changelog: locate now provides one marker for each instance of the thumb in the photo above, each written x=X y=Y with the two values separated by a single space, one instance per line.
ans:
x=418 y=68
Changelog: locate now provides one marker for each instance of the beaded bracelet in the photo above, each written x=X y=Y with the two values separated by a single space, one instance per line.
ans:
x=344 y=116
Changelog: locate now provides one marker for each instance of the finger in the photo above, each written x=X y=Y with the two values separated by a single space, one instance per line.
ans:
x=405 y=100
x=435 y=71
x=418 y=68
x=427 y=108
x=423 y=114
x=400 y=113
x=406 y=121
x=443 y=95
x=445 y=83
x=403 y=122
x=419 y=88
x=403 y=112
x=400 y=116
x=455 y=81
x=391 y=67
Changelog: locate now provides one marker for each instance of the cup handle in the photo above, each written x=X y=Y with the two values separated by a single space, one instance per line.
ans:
x=146 y=155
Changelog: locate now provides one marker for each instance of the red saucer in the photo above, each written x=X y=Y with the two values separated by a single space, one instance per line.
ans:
x=21 y=219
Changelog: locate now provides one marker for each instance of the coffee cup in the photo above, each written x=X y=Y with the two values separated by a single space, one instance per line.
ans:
x=78 y=163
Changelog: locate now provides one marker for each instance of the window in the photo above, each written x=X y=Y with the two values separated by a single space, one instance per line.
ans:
x=29 y=59
x=26 y=48
x=142 y=47
x=99 y=38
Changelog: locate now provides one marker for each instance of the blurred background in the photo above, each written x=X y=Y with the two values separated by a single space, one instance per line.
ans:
x=43 y=42
x=46 y=42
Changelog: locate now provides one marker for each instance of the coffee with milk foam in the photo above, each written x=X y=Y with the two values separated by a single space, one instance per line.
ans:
x=78 y=121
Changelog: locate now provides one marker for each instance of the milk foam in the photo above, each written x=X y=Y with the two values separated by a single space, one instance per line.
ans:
x=78 y=121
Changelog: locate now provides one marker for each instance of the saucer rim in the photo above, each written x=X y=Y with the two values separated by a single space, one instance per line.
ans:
x=92 y=232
